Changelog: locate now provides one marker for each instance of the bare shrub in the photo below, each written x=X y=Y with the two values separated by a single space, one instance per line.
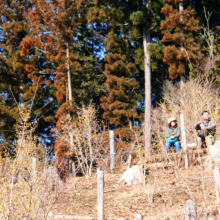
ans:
x=26 y=190
x=207 y=64
x=89 y=138
x=196 y=96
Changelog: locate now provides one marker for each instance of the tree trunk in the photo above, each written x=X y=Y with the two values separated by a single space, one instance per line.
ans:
x=147 y=117
x=70 y=94
x=21 y=97
x=68 y=75
x=18 y=176
x=163 y=75
x=181 y=8
x=182 y=78
x=21 y=107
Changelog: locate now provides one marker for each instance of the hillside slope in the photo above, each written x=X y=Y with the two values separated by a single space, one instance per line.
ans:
x=171 y=183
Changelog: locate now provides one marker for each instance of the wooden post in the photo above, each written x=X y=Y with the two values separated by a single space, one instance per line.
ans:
x=191 y=213
x=112 y=151
x=137 y=217
x=183 y=133
x=217 y=187
x=100 y=194
x=34 y=169
x=129 y=161
x=72 y=168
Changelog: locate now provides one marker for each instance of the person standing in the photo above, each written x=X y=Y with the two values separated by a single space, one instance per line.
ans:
x=206 y=130
x=172 y=135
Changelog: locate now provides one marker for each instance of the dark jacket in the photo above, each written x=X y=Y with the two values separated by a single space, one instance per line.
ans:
x=211 y=128
x=175 y=131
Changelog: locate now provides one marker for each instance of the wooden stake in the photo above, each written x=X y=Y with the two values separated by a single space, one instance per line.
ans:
x=137 y=217
x=183 y=133
x=72 y=168
x=191 y=213
x=217 y=187
x=112 y=151
x=100 y=194
x=129 y=161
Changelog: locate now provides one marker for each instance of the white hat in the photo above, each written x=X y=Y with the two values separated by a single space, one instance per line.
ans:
x=171 y=119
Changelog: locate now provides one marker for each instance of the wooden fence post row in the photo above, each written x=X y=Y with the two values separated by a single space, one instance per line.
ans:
x=100 y=194
x=183 y=133
x=112 y=151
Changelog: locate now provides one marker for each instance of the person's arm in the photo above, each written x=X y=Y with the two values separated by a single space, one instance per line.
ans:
x=167 y=133
x=178 y=133
x=197 y=126
x=211 y=126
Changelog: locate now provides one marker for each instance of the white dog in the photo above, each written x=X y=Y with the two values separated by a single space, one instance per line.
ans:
x=132 y=176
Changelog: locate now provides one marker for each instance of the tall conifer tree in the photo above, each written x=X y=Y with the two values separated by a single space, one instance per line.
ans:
x=13 y=74
x=61 y=33
x=55 y=25
x=120 y=103
x=181 y=46
x=144 y=21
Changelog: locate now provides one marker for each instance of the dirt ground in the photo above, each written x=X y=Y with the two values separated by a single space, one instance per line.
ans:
x=170 y=184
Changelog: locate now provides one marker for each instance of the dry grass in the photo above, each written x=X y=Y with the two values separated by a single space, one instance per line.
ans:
x=171 y=193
